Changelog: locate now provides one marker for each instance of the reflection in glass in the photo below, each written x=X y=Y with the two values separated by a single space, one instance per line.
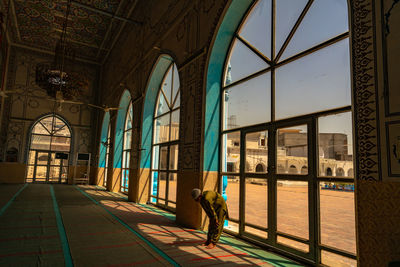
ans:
x=335 y=145
x=292 y=208
x=292 y=243
x=256 y=202
x=173 y=157
x=241 y=56
x=311 y=79
x=323 y=14
x=161 y=129
x=248 y=103
x=162 y=184
x=292 y=149
x=257 y=152
x=337 y=215
x=257 y=28
x=331 y=259
x=231 y=152
x=172 y=182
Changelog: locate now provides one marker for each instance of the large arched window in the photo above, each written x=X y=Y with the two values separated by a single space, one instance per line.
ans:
x=126 y=151
x=286 y=76
x=122 y=144
x=49 y=148
x=104 y=150
x=107 y=157
x=165 y=141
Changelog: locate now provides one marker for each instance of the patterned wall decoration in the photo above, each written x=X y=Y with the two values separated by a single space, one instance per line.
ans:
x=377 y=201
x=364 y=84
x=391 y=37
x=38 y=24
x=83 y=140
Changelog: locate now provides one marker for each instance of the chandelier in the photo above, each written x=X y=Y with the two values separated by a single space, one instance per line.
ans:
x=58 y=78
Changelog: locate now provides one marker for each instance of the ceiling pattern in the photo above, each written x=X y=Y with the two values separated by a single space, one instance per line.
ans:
x=39 y=23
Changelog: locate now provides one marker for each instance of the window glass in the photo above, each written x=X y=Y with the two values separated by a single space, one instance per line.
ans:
x=242 y=56
x=257 y=151
x=257 y=27
x=292 y=149
x=248 y=103
x=292 y=208
x=324 y=20
x=287 y=13
x=311 y=79
x=335 y=145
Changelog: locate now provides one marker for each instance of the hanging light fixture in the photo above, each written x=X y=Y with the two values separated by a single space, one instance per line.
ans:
x=58 y=78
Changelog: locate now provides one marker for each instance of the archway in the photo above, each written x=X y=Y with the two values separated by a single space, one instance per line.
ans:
x=49 y=149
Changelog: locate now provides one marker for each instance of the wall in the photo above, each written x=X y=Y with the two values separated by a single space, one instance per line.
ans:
x=30 y=102
x=377 y=99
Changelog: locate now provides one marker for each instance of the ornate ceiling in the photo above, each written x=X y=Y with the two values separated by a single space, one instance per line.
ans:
x=93 y=25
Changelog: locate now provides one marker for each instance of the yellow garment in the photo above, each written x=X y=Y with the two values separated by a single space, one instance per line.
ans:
x=216 y=209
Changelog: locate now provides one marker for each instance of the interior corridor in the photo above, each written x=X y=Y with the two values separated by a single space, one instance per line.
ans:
x=65 y=225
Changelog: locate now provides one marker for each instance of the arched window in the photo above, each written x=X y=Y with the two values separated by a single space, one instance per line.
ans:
x=328 y=171
x=104 y=150
x=122 y=144
x=304 y=170
x=286 y=70
x=165 y=141
x=49 y=148
x=126 y=152
x=259 y=168
x=107 y=158
x=339 y=172
x=292 y=169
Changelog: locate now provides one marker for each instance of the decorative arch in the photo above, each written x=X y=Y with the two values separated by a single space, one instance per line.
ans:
x=50 y=145
x=104 y=150
x=104 y=142
x=160 y=133
x=160 y=67
x=119 y=128
x=266 y=63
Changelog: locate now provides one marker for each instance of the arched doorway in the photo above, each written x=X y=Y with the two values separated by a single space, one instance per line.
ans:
x=49 y=149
